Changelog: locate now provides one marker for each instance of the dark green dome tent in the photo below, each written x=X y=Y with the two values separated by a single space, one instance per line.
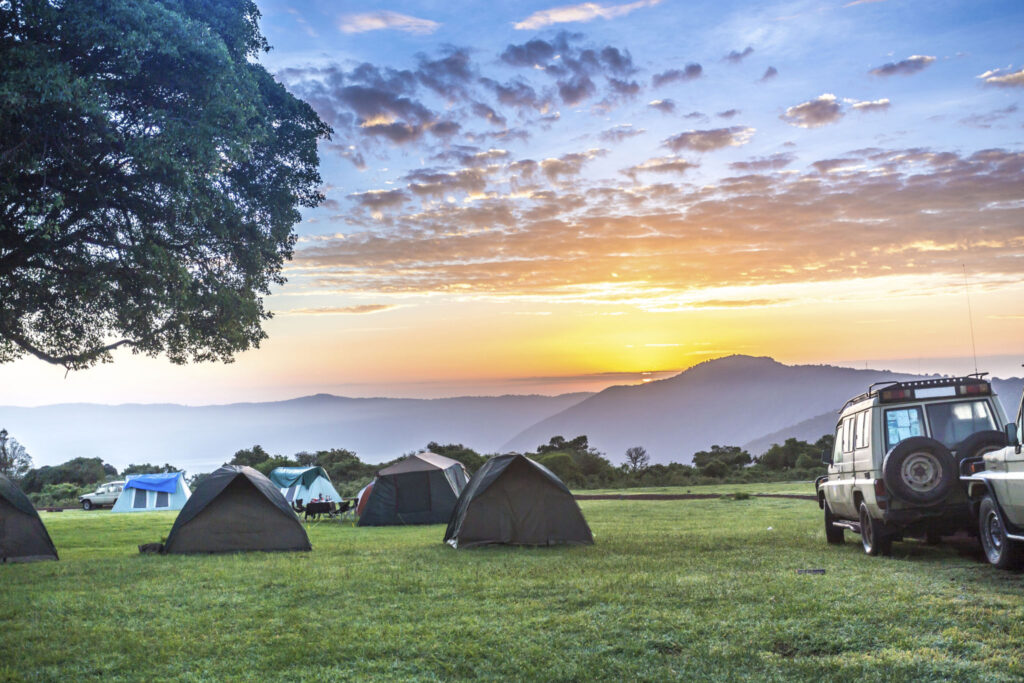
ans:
x=516 y=501
x=236 y=509
x=23 y=537
x=421 y=489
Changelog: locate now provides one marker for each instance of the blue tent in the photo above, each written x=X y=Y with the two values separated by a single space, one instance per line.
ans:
x=304 y=483
x=149 y=492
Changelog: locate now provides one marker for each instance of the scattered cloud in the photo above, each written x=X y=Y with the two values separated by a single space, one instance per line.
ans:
x=665 y=106
x=861 y=2
x=708 y=140
x=989 y=119
x=728 y=113
x=906 y=67
x=587 y=11
x=770 y=73
x=1004 y=80
x=871 y=105
x=759 y=164
x=691 y=72
x=735 y=57
x=621 y=132
x=820 y=111
x=670 y=164
x=376 y=21
x=342 y=310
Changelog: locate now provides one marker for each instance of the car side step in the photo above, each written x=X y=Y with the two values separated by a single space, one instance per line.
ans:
x=852 y=526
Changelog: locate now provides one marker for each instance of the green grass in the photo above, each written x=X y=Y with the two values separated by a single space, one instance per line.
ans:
x=701 y=589
x=805 y=488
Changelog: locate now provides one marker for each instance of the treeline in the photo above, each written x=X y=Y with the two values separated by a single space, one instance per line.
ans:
x=573 y=460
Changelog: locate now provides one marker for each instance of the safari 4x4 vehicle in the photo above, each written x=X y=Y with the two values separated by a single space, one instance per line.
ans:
x=894 y=469
x=106 y=494
x=995 y=486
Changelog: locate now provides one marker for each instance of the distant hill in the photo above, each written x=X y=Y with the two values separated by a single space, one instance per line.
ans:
x=737 y=400
x=728 y=401
x=200 y=438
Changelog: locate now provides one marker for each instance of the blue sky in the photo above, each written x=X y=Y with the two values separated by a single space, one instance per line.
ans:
x=522 y=192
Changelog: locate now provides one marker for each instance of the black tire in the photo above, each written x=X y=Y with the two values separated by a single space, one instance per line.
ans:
x=833 y=533
x=873 y=536
x=919 y=470
x=1000 y=551
x=87 y=505
x=980 y=443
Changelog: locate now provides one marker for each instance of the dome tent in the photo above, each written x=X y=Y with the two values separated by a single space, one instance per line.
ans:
x=23 y=537
x=517 y=501
x=420 y=489
x=236 y=509
x=149 y=492
x=304 y=483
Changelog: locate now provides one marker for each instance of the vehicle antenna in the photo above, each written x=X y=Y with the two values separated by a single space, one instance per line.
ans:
x=970 y=319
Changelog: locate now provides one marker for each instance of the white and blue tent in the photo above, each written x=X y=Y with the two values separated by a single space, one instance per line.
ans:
x=304 y=483
x=149 y=492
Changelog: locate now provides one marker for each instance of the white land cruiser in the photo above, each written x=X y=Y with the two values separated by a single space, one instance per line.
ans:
x=106 y=494
x=894 y=469
x=995 y=486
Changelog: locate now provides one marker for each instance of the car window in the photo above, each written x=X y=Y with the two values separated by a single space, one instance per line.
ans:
x=848 y=434
x=837 y=447
x=863 y=429
x=902 y=423
x=951 y=423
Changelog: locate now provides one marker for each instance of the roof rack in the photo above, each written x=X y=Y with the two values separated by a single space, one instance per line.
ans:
x=908 y=386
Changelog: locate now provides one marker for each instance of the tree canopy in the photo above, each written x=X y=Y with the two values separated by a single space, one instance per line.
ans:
x=15 y=461
x=150 y=176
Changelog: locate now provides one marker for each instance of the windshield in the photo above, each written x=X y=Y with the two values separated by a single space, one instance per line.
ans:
x=951 y=423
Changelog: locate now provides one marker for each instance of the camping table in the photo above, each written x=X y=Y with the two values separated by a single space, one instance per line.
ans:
x=319 y=508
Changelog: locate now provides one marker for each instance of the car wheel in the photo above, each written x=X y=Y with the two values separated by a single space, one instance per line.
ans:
x=919 y=471
x=87 y=505
x=833 y=533
x=1000 y=551
x=873 y=536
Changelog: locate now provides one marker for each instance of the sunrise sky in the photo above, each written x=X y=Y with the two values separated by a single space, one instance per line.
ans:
x=528 y=197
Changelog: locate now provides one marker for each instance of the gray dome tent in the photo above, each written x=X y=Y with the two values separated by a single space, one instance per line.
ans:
x=236 y=509
x=23 y=537
x=421 y=489
x=516 y=501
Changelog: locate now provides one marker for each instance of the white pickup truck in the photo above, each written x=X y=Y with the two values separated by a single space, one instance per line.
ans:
x=995 y=488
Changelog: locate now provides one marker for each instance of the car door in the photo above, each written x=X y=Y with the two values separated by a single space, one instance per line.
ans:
x=844 y=449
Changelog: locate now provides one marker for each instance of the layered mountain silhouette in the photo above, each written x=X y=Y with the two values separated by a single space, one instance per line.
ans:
x=736 y=400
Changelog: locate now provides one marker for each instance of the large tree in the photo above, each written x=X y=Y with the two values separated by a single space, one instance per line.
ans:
x=150 y=176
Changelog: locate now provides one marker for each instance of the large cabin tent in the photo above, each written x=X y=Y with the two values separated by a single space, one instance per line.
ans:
x=304 y=483
x=236 y=509
x=517 y=501
x=421 y=489
x=23 y=537
x=153 y=492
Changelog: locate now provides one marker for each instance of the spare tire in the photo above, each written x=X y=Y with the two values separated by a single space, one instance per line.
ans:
x=919 y=470
x=980 y=443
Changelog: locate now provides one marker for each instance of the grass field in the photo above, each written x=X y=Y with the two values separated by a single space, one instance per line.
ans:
x=696 y=589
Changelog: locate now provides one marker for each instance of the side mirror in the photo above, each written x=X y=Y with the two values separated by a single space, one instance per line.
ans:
x=1012 y=438
x=826 y=457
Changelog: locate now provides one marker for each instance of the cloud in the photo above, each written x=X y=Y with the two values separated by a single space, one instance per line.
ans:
x=820 y=111
x=728 y=113
x=708 y=140
x=861 y=2
x=770 y=73
x=987 y=120
x=665 y=106
x=872 y=105
x=378 y=200
x=903 y=219
x=376 y=21
x=574 y=68
x=997 y=78
x=769 y=163
x=342 y=310
x=735 y=57
x=691 y=72
x=568 y=164
x=906 y=67
x=621 y=132
x=670 y=164
x=587 y=11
